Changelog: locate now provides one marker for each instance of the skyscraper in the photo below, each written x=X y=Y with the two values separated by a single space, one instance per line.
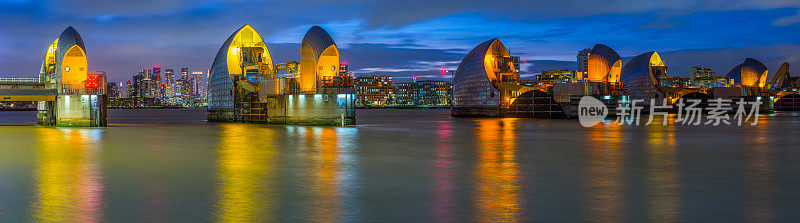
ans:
x=170 y=88
x=112 y=91
x=185 y=73
x=157 y=74
x=196 y=83
x=583 y=63
x=169 y=77
x=185 y=86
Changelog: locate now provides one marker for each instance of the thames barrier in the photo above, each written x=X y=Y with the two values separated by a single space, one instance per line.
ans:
x=67 y=94
x=246 y=86
x=487 y=84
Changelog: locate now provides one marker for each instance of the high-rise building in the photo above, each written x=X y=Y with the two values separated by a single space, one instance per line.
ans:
x=703 y=77
x=136 y=89
x=157 y=74
x=700 y=72
x=196 y=83
x=185 y=73
x=169 y=77
x=185 y=87
x=583 y=63
x=112 y=90
x=151 y=87
x=374 y=91
x=424 y=93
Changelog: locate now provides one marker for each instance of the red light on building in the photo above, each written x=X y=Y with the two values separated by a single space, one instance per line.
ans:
x=92 y=82
x=444 y=71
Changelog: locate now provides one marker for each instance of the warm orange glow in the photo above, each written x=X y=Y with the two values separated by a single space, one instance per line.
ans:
x=489 y=62
x=614 y=73
x=327 y=65
x=315 y=65
x=74 y=68
x=662 y=174
x=498 y=200
x=50 y=56
x=759 y=172
x=68 y=185
x=752 y=78
x=605 y=176
x=655 y=60
x=762 y=82
x=245 y=160
x=247 y=40
x=327 y=176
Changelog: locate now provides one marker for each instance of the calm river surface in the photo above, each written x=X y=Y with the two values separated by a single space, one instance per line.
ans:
x=396 y=166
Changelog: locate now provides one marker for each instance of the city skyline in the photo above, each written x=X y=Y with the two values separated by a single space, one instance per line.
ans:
x=422 y=42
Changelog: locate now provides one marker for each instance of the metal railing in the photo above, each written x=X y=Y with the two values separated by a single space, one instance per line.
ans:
x=19 y=80
x=72 y=90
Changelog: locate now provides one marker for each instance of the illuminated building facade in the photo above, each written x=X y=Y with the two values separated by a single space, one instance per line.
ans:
x=604 y=64
x=751 y=73
x=703 y=77
x=485 y=81
x=319 y=60
x=244 y=54
x=245 y=86
x=426 y=93
x=342 y=83
x=583 y=63
x=80 y=98
x=640 y=77
x=374 y=91
x=556 y=76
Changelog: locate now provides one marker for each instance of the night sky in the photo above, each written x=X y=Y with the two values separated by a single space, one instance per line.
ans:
x=407 y=37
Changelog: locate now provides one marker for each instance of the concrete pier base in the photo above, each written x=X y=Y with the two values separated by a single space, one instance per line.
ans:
x=311 y=109
x=73 y=111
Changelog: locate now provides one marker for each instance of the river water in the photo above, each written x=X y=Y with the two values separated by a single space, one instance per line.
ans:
x=396 y=166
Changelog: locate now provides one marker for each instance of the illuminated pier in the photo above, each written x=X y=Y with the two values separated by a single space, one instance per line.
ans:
x=67 y=93
x=245 y=85
x=487 y=84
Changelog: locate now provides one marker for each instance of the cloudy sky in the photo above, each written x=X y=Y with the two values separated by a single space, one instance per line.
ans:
x=405 y=37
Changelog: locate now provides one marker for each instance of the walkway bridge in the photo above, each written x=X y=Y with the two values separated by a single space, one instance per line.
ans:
x=25 y=89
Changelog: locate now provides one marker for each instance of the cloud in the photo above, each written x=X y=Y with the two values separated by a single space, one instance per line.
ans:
x=786 y=21
x=722 y=60
x=399 y=37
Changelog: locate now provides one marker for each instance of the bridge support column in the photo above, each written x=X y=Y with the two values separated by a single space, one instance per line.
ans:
x=74 y=111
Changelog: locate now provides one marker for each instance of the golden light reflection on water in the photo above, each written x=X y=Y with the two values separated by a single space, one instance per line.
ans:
x=68 y=185
x=758 y=173
x=325 y=165
x=605 y=176
x=497 y=186
x=245 y=160
x=663 y=198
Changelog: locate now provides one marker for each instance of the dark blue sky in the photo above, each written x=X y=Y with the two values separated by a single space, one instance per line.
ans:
x=405 y=37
